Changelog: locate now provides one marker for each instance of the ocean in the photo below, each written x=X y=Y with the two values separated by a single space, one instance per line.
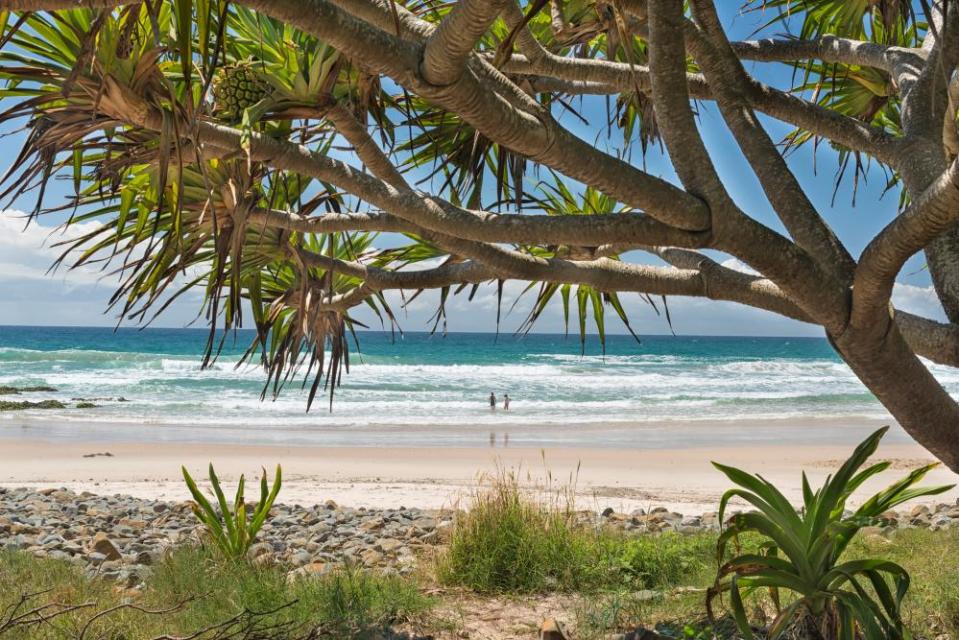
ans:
x=417 y=389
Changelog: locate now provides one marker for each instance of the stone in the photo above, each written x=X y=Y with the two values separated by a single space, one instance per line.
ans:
x=388 y=545
x=103 y=544
x=260 y=549
x=551 y=629
x=919 y=510
x=136 y=525
x=308 y=570
x=371 y=525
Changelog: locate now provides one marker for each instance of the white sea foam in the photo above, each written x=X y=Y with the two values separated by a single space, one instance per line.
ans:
x=549 y=391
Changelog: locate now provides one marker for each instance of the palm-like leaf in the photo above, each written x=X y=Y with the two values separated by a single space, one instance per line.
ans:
x=229 y=528
x=813 y=541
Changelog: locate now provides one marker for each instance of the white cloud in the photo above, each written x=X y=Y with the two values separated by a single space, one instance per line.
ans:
x=919 y=300
x=28 y=295
x=738 y=265
x=28 y=251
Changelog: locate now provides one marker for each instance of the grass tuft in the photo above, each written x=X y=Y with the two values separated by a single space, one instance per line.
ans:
x=344 y=602
x=516 y=541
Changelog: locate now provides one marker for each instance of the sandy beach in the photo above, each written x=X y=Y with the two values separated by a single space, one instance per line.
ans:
x=680 y=478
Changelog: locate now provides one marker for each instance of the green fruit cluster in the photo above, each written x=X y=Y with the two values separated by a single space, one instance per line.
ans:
x=236 y=88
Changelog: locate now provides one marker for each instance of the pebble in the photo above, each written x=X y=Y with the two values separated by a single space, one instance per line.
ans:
x=121 y=537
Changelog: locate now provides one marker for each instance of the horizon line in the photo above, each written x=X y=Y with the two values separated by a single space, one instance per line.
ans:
x=508 y=334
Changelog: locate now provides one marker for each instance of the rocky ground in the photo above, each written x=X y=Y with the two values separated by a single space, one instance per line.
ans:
x=119 y=537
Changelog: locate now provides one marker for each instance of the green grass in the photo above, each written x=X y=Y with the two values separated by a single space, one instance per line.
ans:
x=510 y=542
x=514 y=541
x=931 y=608
x=203 y=591
x=932 y=559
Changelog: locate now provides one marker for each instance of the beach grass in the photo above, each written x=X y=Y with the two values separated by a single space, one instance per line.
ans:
x=930 y=610
x=192 y=590
x=661 y=586
x=515 y=540
x=521 y=542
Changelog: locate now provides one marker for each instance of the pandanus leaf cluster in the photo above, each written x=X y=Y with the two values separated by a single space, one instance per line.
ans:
x=801 y=558
x=233 y=529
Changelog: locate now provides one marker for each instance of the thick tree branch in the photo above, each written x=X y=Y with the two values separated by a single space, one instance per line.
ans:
x=422 y=210
x=537 y=136
x=451 y=44
x=724 y=71
x=925 y=99
x=828 y=48
x=734 y=232
x=935 y=211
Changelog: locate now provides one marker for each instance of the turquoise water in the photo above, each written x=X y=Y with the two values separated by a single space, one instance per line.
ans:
x=421 y=389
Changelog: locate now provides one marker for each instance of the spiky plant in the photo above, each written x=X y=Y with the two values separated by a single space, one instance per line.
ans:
x=831 y=597
x=231 y=528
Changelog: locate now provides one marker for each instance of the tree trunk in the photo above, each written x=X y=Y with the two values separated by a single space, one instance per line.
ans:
x=942 y=256
x=880 y=357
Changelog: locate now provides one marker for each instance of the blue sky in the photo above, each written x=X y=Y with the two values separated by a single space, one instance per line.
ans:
x=30 y=296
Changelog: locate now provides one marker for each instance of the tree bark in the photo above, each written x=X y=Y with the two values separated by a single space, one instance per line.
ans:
x=883 y=361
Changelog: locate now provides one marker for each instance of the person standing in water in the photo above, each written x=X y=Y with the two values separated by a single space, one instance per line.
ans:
x=492 y=400
x=506 y=401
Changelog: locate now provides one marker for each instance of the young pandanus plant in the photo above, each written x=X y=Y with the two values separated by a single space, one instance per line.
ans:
x=233 y=529
x=833 y=597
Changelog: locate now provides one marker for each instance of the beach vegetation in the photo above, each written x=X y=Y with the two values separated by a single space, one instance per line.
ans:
x=233 y=529
x=192 y=588
x=517 y=540
x=802 y=561
x=192 y=591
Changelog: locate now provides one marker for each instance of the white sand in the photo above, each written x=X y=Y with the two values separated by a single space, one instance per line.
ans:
x=681 y=479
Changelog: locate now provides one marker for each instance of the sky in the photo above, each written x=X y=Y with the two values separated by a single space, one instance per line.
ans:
x=29 y=295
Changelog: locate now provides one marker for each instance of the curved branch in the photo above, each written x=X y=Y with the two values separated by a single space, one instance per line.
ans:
x=535 y=135
x=828 y=48
x=451 y=44
x=935 y=211
x=793 y=207
x=804 y=280
x=617 y=77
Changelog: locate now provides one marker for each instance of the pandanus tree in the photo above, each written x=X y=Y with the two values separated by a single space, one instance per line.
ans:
x=254 y=148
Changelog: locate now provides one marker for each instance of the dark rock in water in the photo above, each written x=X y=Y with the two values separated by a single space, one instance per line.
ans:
x=12 y=391
x=7 y=405
x=87 y=405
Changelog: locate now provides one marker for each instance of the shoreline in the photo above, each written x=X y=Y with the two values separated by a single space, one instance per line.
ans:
x=679 y=479
x=523 y=432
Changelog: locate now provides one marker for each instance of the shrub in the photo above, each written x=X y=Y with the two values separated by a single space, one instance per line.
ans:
x=802 y=553
x=513 y=540
x=508 y=541
x=229 y=529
